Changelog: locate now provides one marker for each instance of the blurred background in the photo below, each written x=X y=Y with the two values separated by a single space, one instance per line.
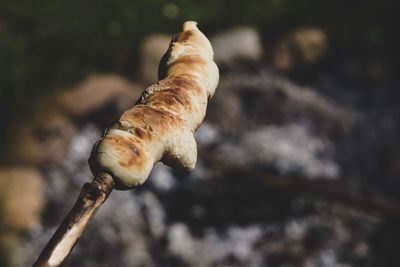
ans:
x=299 y=156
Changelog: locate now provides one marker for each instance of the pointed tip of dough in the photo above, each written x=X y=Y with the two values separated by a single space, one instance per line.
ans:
x=189 y=25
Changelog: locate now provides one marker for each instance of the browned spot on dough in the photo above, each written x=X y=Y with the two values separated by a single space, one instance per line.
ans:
x=130 y=154
x=161 y=120
x=139 y=132
x=184 y=83
x=172 y=97
x=182 y=37
x=119 y=144
x=189 y=60
x=191 y=64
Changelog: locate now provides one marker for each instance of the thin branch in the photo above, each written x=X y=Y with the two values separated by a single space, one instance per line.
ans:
x=64 y=239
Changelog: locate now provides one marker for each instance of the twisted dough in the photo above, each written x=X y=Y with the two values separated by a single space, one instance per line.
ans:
x=161 y=124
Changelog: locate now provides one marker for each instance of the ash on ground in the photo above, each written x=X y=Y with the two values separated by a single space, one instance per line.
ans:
x=290 y=173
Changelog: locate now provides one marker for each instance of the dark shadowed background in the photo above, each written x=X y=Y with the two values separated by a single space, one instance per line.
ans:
x=299 y=161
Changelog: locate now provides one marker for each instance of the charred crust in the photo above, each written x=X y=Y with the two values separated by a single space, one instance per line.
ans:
x=189 y=60
x=159 y=118
x=182 y=37
x=139 y=132
x=172 y=97
x=130 y=153
x=187 y=83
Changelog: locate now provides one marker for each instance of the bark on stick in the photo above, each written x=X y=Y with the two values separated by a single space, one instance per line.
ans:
x=68 y=233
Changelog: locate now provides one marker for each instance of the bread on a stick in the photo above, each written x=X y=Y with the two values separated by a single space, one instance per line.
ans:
x=160 y=126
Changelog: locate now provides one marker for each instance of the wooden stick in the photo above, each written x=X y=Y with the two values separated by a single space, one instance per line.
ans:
x=68 y=233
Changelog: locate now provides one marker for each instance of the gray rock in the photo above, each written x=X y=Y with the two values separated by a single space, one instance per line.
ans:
x=291 y=149
x=302 y=46
x=97 y=91
x=243 y=43
x=42 y=139
x=215 y=247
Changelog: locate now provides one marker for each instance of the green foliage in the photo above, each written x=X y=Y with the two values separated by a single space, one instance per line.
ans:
x=48 y=44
